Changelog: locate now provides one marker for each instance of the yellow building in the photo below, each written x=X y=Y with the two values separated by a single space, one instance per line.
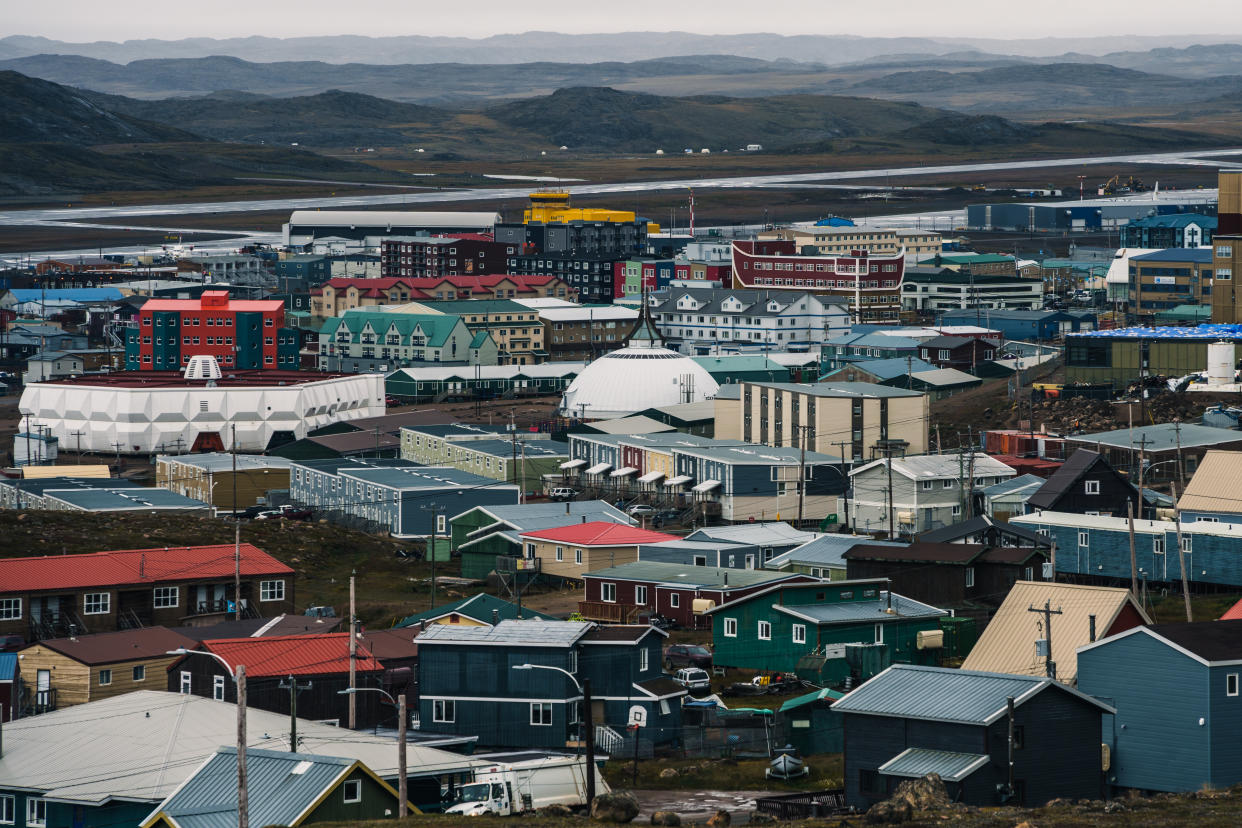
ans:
x=211 y=477
x=516 y=329
x=570 y=552
x=839 y=241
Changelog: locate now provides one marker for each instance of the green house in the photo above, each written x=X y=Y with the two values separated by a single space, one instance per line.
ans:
x=850 y=628
x=288 y=789
x=809 y=724
x=400 y=340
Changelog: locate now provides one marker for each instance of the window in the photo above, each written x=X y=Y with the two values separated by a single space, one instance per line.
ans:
x=957 y=509
x=674 y=600
x=352 y=791
x=10 y=609
x=1186 y=544
x=185 y=681
x=640 y=596
x=140 y=672
x=1019 y=737
x=217 y=688
x=1231 y=684
x=441 y=523
x=1157 y=546
x=541 y=713
x=644 y=660
x=1084 y=539
x=926 y=485
x=105 y=678
x=970 y=577
x=948 y=484
x=96 y=603
x=165 y=597
x=799 y=633
x=271 y=590
x=765 y=631
x=36 y=812
x=444 y=710
x=560 y=553
x=577 y=556
x=1092 y=487
x=8 y=810
x=730 y=628
x=608 y=593
x=879 y=633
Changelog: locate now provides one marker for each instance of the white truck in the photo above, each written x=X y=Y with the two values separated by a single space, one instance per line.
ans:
x=521 y=787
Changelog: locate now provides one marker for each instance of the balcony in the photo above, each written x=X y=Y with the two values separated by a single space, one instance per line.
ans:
x=609 y=613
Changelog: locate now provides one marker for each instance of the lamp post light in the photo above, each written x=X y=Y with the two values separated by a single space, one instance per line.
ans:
x=239 y=678
x=584 y=687
x=402 y=719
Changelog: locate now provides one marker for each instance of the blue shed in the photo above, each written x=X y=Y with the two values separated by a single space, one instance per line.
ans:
x=1178 y=709
x=1017 y=324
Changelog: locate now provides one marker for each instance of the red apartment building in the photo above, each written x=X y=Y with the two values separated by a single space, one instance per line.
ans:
x=443 y=256
x=871 y=284
x=239 y=333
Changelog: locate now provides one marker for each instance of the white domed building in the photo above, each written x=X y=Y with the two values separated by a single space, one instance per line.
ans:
x=642 y=375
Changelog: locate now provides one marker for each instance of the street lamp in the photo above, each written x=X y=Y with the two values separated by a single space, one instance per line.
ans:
x=584 y=687
x=239 y=678
x=402 y=717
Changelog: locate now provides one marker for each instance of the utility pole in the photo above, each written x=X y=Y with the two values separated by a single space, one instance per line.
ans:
x=237 y=570
x=1181 y=557
x=294 y=688
x=1009 y=705
x=233 y=449
x=1181 y=471
x=78 y=434
x=888 y=448
x=243 y=798
x=588 y=723
x=970 y=480
x=1143 y=441
x=1133 y=559
x=431 y=548
x=802 y=431
x=848 y=482
x=1047 y=612
x=402 y=722
x=353 y=656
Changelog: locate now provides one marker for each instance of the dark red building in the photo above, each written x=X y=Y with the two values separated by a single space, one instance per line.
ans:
x=442 y=256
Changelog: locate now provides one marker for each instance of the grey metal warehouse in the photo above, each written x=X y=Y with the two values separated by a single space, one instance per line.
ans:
x=307 y=225
x=1077 y=215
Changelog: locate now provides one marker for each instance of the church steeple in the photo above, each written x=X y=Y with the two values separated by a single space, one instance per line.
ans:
x=645 y=333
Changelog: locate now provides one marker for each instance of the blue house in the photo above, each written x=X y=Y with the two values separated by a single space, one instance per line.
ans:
x=1099 y=546
x=473 y=681
x=910 y=721
x=1020 y=324
x=1178 y=708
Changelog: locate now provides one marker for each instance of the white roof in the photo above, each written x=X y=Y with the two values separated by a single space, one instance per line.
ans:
x=576 y=313
x=1121 y=524
x=398 y=219
x=540 y=302
x=490 y=372
x=937 y=466
x=142 y=745
x=1119 y=270
x=634 y=379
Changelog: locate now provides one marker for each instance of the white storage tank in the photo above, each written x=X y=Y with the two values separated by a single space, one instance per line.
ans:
x=1220 y=362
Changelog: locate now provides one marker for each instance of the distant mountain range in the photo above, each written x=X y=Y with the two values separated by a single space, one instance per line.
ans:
x=529 y=47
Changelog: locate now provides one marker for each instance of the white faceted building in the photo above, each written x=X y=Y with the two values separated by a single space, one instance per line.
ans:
x=142 y=412
x=639 y=376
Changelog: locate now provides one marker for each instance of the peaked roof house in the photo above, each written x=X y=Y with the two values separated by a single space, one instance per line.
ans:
x=988 y=531
x=481 y=610
x=910 y=721
x=1010 y=642
x=1009 y=497
x=1176 y=691
x=572 y=551
x=1089 y=485
x=289 y=789
x=822 y=557
x=367 y=340
x=1215 y=491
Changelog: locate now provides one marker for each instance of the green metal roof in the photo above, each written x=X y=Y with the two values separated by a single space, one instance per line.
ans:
x=436 y=328
x=817 y=695
x=479 y=607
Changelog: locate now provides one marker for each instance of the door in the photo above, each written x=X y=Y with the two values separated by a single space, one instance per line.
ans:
x=43 y=689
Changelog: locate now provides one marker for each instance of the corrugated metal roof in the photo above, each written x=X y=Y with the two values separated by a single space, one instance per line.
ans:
x=945 y=376
x=122 y=645
x=299 y=655
x=508 y=633
x=940 y=466
x=939 y=694
x=142 y=745
x=826 y=550
x=280 y=785
x=755 y=534
x=1022 y=482
x=708 y=577
x=479 y=607
x=1007 y=644
x=917 y=763
x=848 y=612
x=1216 y=485
x=599 y=533
x=220 y=461
x=133 y=566
x=814 y=696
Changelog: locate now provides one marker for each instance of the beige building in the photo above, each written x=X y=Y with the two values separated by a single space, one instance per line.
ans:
x=86 y=668
x=516 y=329
x=211 y=477
x=843 y=419
x=572 y=551
x=839 y=241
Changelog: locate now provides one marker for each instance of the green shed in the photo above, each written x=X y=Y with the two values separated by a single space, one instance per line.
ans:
x=808 y=723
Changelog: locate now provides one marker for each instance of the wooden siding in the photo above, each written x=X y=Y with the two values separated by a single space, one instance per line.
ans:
x=70 y=679
x=598 y=557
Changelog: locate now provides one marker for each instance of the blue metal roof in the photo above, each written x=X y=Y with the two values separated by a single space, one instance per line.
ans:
x=1198 y=255
x=943 y=694
x=1175 y=220
x=918 y=762
x=8 y=666
x=848 y=612
x=1213 y=332
x=885 y=369
x=99 y=294
x=826 y=550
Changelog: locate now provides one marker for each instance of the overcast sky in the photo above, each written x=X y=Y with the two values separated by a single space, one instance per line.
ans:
x=85 y=20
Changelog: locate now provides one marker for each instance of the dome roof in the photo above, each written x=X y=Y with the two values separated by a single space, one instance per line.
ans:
x=634 y=379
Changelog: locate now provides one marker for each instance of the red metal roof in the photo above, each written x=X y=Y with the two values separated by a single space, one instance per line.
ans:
x=600 y=533
x=1234 y=613
x=293 y=655
x=54 y=573
x=269 y=305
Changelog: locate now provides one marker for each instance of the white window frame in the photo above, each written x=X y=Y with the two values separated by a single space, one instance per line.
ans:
x=1231 y=684
x=644 y=660
x=1157 y=545
x=1091 y=487
x=674 y=600
x=608 y=592
x=926 y=485
x=105 y=673
x=799 y=633
x=560 y=553
x=217 y=688
x=102 y=601
x=946 y=484
x=443 y=710
x=351 y=791
x=160 y=597
x=879 y=633
x=970 y=577
x=10 y=609
x=441 y=523
x=1187 y=544
x=764 y=631
x=537 y=711
x=640 y=595
x=36 y=812
x=1084 y=540
x=578 y=556
x=187 y=682
x=269 y=592
x=139 y=673
x=8 y=809
x=730 y=628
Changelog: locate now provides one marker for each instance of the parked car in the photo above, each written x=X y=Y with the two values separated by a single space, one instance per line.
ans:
x=687 y=655
x=640 y=510
x=693 y=678
x=562 y=493
x=286 y=512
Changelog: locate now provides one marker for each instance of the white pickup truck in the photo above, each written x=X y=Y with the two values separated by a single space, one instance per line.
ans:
x=521 y=787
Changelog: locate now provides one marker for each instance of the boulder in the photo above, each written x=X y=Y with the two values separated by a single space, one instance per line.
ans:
x=668 y=773
x=890 y=812
x=720 y=819
x=614 y=807
x=760 y=818
x=665 y=818
x=556 y=810
x=925 y=794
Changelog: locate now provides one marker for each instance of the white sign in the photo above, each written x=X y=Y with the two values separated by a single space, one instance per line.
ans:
x=638 y=716
x=1166 y=280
